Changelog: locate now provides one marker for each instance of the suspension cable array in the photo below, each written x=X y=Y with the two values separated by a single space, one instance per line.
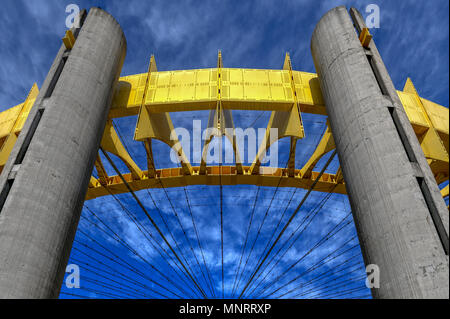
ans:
x=121 y=267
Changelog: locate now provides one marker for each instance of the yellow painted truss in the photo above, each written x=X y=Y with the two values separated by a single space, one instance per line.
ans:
x=287 y=93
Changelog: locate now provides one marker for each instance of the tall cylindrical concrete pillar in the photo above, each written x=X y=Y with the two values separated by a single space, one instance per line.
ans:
x=397 y=230
x=45 y=180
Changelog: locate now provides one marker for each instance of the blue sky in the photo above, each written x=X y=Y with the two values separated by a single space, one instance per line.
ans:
x=413 y=40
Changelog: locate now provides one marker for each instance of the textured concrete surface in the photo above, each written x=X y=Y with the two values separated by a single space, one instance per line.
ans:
x=40 y=214
x=406 y=128
x=394 y=224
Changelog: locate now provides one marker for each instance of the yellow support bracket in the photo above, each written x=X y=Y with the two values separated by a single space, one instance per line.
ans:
x=365 y=37
x=111 y=143
x=101 y=172
x=288 y=123
x=430 y=141
x=69 y=40
x=445 y=191
x=325 y=145
x=13 y=131
x=159 y=126
x=93 y=182
x=148 y=142
x=214 y=128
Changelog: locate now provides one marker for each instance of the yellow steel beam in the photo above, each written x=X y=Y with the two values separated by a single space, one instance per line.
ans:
x=167 y=92
x=156 y=94
x=325 y=145
x=148 y=141
x=68 y=40
x=365 y=37
x=112 y=143
x=159 y=126
x=101 y=172
x=174 y=177
x=445 y=191
x=11 y=122
x=243 y=89
x=434 y=148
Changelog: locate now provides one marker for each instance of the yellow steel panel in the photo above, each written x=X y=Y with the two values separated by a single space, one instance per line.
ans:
x=256 y=89
x=298 y=83
x=134 y=80
x=181 y=89
x=233 y=75
x=232 y=84
x=139 y=95
x=163 y=79
x=202 y=91
x=445 y=191
x=181 y=93
x=240 y=94
x=278 y=92
x=128 y=96
x=160 y=95
x=23 y=115
x=6 y=148
x=280 y=85
x=255 y=76
x=68 y=40
x=438 y=115
x=8 y=118
x=13 y=119
x=142 y=80
x=365 y=37
x=276 y=77
x=432 y=146
x=250 y=89
x=307 y=88
x=413 y=109
x=183 y=77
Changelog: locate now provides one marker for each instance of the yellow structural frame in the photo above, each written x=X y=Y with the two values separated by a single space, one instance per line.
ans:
x=287 y=93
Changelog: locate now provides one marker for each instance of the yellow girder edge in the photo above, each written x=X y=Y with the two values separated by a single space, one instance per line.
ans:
x=325 y=145
x=12 y=128
x=148 y=142
x=435 y=150
x=190 y=90
x=306 y=87
x=445 y=191
x=69 y=40
x=174 y=177
x=112 y=144
x=429 y=120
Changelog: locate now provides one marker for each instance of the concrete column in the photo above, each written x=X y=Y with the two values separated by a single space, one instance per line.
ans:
x=382 y=169
x=45 y=181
